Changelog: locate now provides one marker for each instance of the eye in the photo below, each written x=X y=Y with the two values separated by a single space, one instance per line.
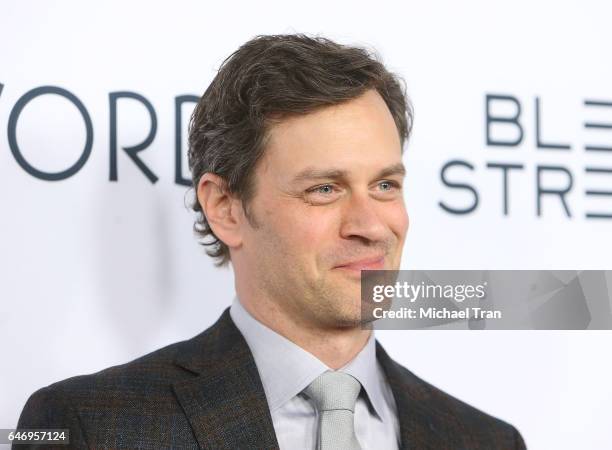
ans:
x=388 y=185
x=385 y=185
x=323 y=194
x=323 y=189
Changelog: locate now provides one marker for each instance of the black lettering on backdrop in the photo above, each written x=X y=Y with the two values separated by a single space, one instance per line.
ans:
x=12 y=133
x=451 y=184
x=505 y=169
x=133 y=150
x=597 y=148
x=503 y=119
x=539 y=143
x=178 y=137
x=560 y=192
x=513 y=120
x=593 y=192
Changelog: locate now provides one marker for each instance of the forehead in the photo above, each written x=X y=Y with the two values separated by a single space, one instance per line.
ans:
x=358 y=135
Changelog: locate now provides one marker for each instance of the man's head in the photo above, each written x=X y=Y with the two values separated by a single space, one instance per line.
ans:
x=295 y=151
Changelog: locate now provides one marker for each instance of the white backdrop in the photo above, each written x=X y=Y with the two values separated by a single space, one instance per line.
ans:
x=97 y=272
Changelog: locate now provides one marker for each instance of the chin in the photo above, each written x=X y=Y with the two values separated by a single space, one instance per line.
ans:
x=346 y=321
x=347 y=317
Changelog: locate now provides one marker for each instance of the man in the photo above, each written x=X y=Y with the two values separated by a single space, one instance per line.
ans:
x=296 y=156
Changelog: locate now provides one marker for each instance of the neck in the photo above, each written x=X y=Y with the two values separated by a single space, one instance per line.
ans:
x=334 y=346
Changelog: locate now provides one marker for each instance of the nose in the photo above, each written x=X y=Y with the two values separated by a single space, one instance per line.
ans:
x=360 y=219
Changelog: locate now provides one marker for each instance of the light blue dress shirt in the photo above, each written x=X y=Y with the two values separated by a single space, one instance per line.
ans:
x=286 y=369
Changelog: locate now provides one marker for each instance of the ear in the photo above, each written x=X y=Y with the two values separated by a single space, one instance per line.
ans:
x=221 y=209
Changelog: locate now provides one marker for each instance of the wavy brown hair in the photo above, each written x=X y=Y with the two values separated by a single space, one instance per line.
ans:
x=266 y=79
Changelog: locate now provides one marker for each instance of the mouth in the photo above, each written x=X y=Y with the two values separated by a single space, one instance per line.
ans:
x=355 y=267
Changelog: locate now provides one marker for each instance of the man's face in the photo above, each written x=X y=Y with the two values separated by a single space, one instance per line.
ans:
x=328 y=203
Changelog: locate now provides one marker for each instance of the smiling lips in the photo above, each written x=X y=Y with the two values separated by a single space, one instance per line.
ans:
x=376 y=263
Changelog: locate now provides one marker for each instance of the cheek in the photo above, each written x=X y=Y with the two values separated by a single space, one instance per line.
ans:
x=397 y=219
x=306 y=230
x=303 y=235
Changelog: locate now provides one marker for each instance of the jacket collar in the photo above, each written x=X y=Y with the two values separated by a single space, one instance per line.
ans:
x=225 y=403
x=421 y=425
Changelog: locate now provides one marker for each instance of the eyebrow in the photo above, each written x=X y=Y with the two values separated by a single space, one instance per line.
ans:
x=334 y=174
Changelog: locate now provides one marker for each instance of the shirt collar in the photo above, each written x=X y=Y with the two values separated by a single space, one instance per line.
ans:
x=366 y=369
x=286 y=369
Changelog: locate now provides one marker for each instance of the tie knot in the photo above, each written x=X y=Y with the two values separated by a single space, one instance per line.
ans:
x=334 y=390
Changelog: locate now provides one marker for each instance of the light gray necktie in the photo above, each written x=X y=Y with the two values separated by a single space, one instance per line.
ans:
x=335 y=394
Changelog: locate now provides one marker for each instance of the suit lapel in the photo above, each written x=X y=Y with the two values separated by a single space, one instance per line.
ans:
x=226 y=406
x=224 y=399
x=421 y=426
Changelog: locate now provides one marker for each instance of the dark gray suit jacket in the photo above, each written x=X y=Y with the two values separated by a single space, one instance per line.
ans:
x=206 y=393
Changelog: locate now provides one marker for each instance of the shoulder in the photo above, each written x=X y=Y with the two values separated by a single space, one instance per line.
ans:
x=446 y=416
x=141 y=382
x=458 y=409
x=147 y=368
x=477 y=428
x=132 y=405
